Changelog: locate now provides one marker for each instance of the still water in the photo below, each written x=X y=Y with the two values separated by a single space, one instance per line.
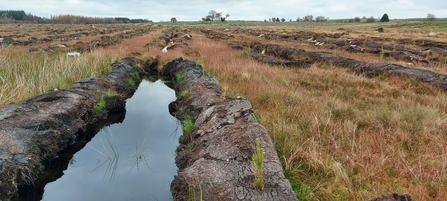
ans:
x=132 y=160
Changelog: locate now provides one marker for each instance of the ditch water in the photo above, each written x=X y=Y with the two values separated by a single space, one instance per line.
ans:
x=132 y=160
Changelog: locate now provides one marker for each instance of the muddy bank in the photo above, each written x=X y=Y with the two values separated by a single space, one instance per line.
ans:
x=215 y=156
x=368 y=69
x=34 y=131
x=55 y=168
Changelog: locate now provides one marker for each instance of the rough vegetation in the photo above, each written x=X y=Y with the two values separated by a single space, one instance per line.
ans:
x=34 y=131
x=355 y=111
x=215 y=157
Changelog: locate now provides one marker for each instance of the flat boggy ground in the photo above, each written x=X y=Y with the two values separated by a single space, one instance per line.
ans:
x=339 y=134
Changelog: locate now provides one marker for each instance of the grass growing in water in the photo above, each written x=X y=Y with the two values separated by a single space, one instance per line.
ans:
x=111 y=158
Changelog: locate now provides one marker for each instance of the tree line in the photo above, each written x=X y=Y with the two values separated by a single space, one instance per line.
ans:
x=307 y=18
x=13 y=14
x=310 y=18
x=8 y=16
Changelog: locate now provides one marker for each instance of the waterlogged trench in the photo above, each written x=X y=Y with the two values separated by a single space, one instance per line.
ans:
x=132 y=160
x=121 y=161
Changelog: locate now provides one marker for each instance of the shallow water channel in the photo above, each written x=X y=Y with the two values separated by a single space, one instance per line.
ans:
x=132 y=160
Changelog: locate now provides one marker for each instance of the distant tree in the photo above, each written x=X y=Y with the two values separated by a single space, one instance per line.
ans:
x=218 y=15
x=277 y=19
x=13 y=14
x=122 y=19
x=385 y=18
x=33 y=18
x=206 y=19
x=431 y=17
x=308 y=18
x=298 y=19
x=173 y=19
x=273 y=19
x=356 y=19
x=371 y=19
x=222 y=19
x=320 y=19
x=139 y=20
x=283 y=20
x=212 y=14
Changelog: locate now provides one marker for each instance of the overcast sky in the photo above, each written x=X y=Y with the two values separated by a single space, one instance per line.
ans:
x=194 y=10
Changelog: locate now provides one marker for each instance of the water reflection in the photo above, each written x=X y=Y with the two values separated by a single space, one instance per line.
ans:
x=132 y=160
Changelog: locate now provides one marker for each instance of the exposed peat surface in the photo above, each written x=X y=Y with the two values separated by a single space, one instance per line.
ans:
x=130 y=154
x=132 y=160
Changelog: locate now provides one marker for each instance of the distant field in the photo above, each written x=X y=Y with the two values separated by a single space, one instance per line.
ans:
x=340 y=135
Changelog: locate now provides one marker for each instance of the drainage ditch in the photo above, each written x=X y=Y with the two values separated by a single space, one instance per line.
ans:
x=214 y=155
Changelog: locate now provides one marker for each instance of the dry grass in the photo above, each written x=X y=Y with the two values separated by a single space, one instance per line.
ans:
x=24 y=74
x=341 y=136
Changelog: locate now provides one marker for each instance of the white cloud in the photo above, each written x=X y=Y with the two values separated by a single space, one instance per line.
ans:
x=193 y=10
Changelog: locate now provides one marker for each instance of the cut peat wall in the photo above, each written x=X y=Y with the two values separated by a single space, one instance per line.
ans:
x=34 y=131
x=368 y=69
x=215 y=158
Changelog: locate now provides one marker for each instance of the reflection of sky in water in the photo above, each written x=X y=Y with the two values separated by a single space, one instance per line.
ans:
x=145 y=143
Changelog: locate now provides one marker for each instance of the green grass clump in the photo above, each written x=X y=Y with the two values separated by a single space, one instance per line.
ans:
x=110 y=93
x=100 y=105
x=131 y=82
x=188 y=123
x=182 y=93
x=134 y=74
x=179 y=77
x=258 y=158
